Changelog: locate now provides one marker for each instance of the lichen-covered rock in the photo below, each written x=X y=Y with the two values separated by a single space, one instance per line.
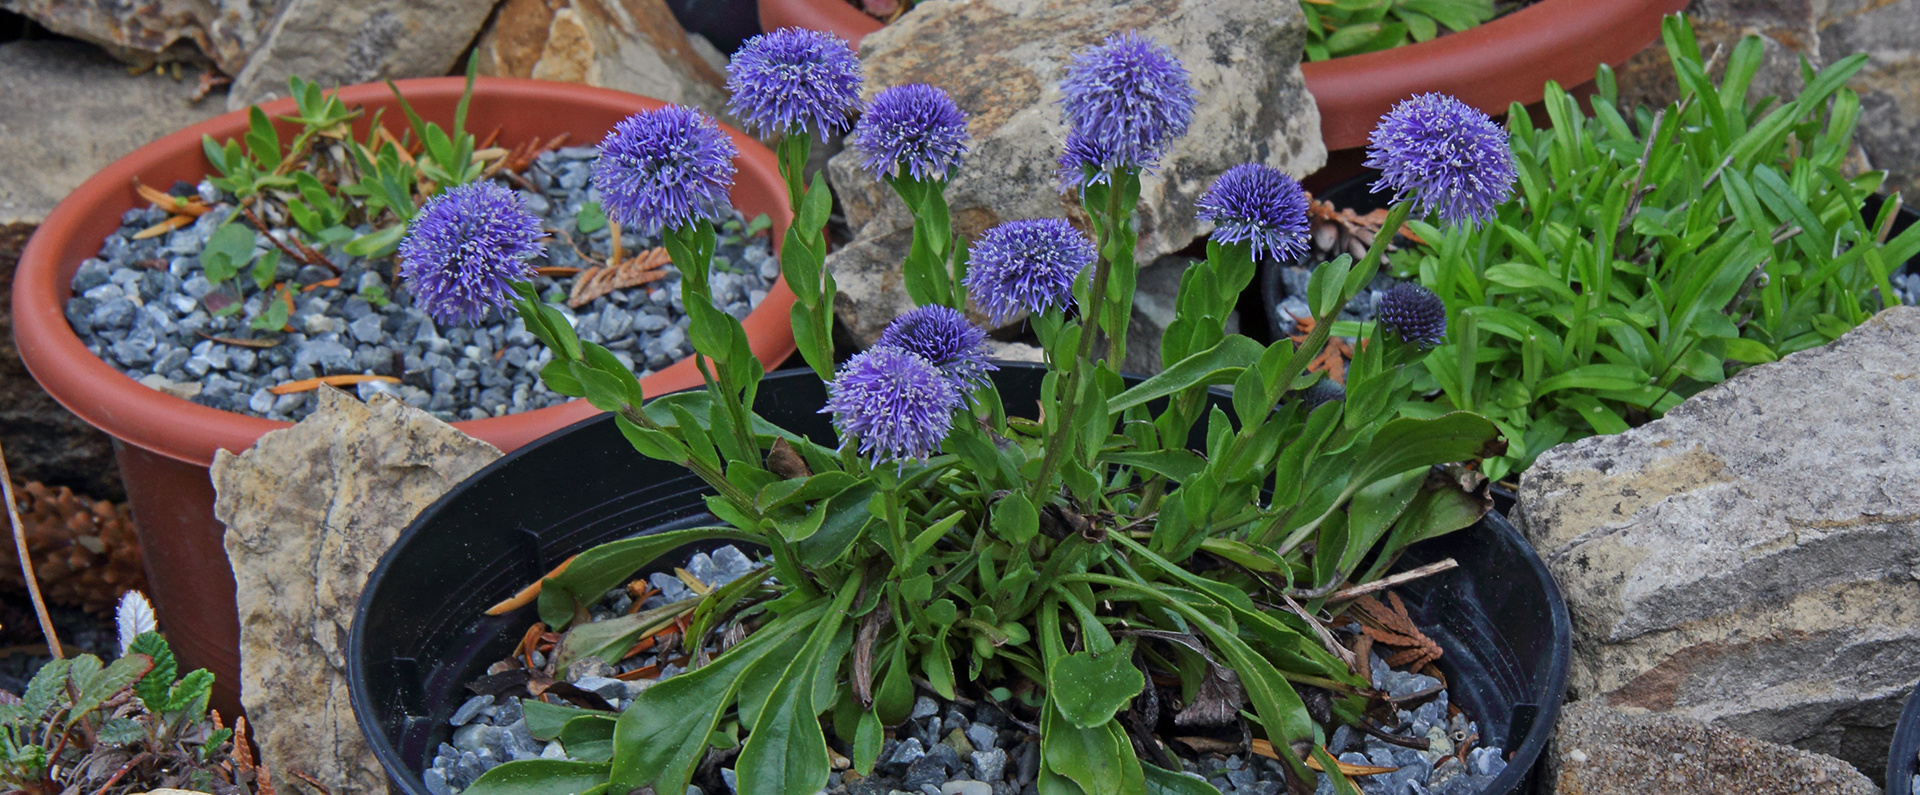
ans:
x=1601 y=751
x=334 y=43
x=631 y=45
x=1002 y=61
x=1750 y=559
x=224 y=31
x=309 y=510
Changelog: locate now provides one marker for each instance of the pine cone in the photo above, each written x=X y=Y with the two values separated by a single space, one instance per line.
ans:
x=85 y=553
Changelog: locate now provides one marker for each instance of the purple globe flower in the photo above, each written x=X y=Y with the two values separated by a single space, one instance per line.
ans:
x=792 y=80
x=1260 y=206
x=1415 y=313
x=1080 y=152
x=1128 y=98
x=1027 y=266
x=944 y=336
x=1446 y=155
x=466 y=249
x=664 y=169
x=916 y=127
x=898 y=404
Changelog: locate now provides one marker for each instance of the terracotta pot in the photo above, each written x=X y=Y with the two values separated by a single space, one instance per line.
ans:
x=1507 y=60
x=837 y=17
x=1491 y=66
x=165 y=444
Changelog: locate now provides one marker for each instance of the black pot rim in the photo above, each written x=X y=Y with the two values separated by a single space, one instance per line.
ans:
x=1906 y=744
x=1522 y=759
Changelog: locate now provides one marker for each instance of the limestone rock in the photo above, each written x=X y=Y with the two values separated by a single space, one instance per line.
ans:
x=1750 y=559
x=69 y=111
x=224 y=31
x=631 y=45
x=1002 y=60
x=1888 y=31
x=336 y=43
x=309 y=510
x=1602 y=751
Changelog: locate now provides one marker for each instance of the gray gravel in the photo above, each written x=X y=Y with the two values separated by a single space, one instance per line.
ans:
x=143 y=306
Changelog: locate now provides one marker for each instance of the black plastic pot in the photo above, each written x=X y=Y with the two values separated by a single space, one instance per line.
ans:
x=1906 y=744
x=420 y=635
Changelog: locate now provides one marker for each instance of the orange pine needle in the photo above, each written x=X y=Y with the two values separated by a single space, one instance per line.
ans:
x=311 y=384
x=529 y=593
x=333 y=282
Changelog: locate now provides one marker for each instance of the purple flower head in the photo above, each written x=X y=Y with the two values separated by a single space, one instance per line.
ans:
x=792 y=80
x=1079 y=153
x=466 y=249
x=913 y=127
x=944 y=336
x=1444 y=154
x=1260 y=206
x=664 y=169
x=898 y=404
x=1128 y=98
x=1415 y=313
x=1027 y=266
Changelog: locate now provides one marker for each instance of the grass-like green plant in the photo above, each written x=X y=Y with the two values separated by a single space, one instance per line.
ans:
x=1651 y=253
x=1350 y=27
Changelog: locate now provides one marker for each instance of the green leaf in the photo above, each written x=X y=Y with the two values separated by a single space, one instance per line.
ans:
x=228 y=248
x=594 y=572
x=96 y=688
x=1161 y=781
x=610 y=639
x=265 y=268
x=591 y=219
x=786 y=753
x=120 y=731
x=154 y=687
x=589 y=738
x=1089 y=689
x=544 y=721
x=658 y=740
x=273 y=314
x=1100 y=760
x=1220 y=364
x=189 y=699
x=1015 y=519
x=541 y=777
x=46 y=687
x=376 y=243
x=867 y=741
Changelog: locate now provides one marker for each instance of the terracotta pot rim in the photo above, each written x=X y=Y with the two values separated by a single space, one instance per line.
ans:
x=1508 y=59
x=182 y=430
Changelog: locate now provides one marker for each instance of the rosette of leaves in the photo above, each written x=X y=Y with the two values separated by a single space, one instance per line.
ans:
x=1122 y=530
x=1350 y=27
x=85 y=725
x=1652 y=252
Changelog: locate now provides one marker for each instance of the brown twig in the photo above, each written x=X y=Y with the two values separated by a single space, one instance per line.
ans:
x=122 y=772
x=26 y=561
x=1394 y=581
x=1326 y=638
x=297 y=256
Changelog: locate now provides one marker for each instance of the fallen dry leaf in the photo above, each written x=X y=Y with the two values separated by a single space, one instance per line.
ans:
x=598 y=281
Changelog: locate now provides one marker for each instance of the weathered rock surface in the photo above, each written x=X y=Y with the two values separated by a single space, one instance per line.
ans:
x=1822 y=31
x=631 y=45
x=1002 y=61
x=67 y=110
x=1597 y=750
x=335 y=43
x=1751 y=559
x=309 y=510
x=224 y=31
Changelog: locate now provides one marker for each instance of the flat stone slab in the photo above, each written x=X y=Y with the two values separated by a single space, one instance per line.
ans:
x=1597 y=750
x=1751 y=559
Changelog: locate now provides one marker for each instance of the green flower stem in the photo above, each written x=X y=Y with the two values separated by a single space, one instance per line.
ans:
x=928 y=280
x=803 y=255
x=1080 y=370
x=714 y=333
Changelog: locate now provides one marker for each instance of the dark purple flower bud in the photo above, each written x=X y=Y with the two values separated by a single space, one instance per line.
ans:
x=1445 y=155
x=944 y=336
x=1260 y=206
x=466 y=249
x=792 y=80
x=1128 y=99
x=1415 y=313
x=915 y=128
x=1027 y=266
x=898 y=404
x=664 y=169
